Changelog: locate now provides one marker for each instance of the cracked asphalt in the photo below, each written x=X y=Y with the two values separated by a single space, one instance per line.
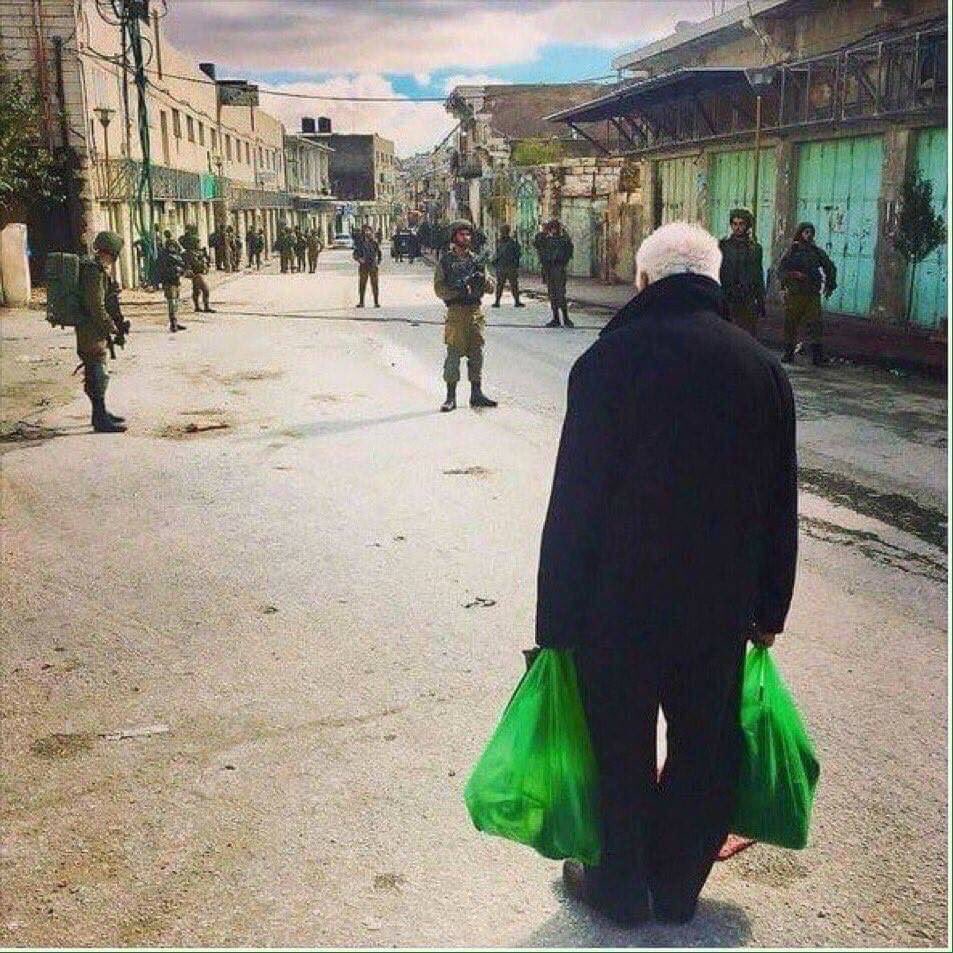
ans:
x=252 y=648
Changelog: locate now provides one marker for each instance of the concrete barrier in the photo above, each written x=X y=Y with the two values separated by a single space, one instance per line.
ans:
x=14 y=266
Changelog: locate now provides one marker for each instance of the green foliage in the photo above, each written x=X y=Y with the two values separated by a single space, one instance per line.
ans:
x=537 y=152
x=920 y=230
x=28 y=170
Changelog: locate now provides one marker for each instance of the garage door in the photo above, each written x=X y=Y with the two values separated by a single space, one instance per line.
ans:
x=731 y=185
x=838 y=191
x=678 y=185
x=929 y=283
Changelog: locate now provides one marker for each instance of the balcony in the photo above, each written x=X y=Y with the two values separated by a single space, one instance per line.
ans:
x=118 y=181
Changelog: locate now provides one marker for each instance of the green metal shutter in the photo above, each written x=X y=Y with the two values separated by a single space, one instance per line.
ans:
x=731 y=185
x=838 y=191
x=929 y=290
x=527 y=221
x=678 y=180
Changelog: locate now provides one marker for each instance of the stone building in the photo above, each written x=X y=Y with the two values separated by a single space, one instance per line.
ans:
x=842 y=97
x=308 y=174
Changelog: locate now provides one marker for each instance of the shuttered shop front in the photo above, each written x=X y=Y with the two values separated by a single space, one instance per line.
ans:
x=930 y=279
x=838 y=190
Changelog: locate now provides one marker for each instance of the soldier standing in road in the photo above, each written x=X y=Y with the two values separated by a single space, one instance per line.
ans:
x=506 y=261
x=460 y=279
x=315 y=247
x=555 y=252
x=171 y=267
x=301 y=248
x=285 y=245
x=237 y=252
x=251 y=239
x=216 y=243
x=197 y=266
x=228 y=251
x=101 y=321
x=742 y=273
x=368 y=256
x=803 y=270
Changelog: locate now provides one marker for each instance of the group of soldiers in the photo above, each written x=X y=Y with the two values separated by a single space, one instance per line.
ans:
x=298 y=248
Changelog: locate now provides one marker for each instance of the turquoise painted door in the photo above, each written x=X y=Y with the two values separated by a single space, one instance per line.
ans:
x=527 y=221
x=930 y=280
x=582 y=218
x=679 y=186
x=731 y=185
x=838 y=191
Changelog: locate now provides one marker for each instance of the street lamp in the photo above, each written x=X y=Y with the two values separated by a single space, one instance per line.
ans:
x=105 y=115
x=759 y=79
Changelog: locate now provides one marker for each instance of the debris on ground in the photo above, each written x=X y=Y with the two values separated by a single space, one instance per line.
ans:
x=480 y=602
x=175 y=431
x=468 y=471
x=24 y=432
x=62 y=744
x=146 y=732
x=269 y=610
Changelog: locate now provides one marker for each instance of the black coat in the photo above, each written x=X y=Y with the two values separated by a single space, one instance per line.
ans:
x=673 y=515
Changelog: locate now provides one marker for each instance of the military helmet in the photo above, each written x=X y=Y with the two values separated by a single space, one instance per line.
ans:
x=109 y=242
x=455 y=227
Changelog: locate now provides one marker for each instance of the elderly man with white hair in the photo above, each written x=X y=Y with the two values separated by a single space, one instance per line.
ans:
x=670 y=541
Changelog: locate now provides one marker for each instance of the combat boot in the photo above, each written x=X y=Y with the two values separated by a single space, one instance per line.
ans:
x=451 y=402
x=555 y=321
x=496 y=303
x=478 y=398
x=519 y=304
x=566 y=321
x=102 y=421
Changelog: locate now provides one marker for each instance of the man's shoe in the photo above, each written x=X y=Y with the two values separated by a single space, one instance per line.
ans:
x=360 y=304
x=495 y=304
x=552 y=324
x=377 y=304
x=673 y=911
x=478 y=398
x=115 y=418
x=102 y=423
x=451 y=402
x=568 y=322
x=580 y=885
x=210 y=311
x=519 y=304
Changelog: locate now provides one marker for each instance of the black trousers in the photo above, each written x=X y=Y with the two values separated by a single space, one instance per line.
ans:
x=663 y=833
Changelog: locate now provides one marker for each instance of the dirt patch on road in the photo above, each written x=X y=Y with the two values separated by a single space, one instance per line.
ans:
x=209 y=422
x=24 y=433
x=62 y=745
x=255 y=375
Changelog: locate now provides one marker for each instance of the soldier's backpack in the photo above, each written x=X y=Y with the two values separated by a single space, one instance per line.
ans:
x=63 y=298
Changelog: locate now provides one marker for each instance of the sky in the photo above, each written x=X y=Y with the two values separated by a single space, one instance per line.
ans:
x=411 y=49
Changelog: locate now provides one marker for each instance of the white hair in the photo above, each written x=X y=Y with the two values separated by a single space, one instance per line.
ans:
x=676 y=249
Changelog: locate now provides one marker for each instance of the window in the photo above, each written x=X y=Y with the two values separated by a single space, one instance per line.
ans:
x=190 y=128
x=214 y=136
x=176 y=124
x=261 y=156
x=228 y=147
x=201 y=133
x=247 y=153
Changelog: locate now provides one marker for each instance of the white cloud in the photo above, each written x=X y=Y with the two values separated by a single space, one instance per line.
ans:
x=469 y=79
x=340 y=36
x=422 y=79
x=412 y=126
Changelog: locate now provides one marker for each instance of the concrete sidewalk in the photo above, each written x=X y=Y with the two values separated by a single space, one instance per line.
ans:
x=845 y=336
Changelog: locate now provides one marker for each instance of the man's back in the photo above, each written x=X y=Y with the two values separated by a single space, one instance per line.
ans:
x=683 y=428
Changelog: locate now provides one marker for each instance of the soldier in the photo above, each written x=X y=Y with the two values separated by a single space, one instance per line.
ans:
x=742 y=273
x=228 y=251
x=216 y=244
x=315 y=247
x=197 y=265
x=301 y=248
x=800 y=271
x=236 y=252
x=171 y=267
x=367 y=254
x=506 y=261
x=460 y=279
x=258 y=246
x=251 y=242
x=285 y=247
x=102 y=321
x=555 y=252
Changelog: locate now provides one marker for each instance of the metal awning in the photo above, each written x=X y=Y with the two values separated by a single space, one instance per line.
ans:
x=628 y=99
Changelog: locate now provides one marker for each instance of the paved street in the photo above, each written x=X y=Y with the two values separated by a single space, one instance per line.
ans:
x=312 y=590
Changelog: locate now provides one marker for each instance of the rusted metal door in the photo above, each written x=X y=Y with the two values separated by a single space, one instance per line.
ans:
x=527 y=220
x=838 y=191
x=930 y=279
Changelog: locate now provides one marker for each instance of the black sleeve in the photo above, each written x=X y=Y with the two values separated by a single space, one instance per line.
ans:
x=759 y=274
x=586 y=468
x=780 y=550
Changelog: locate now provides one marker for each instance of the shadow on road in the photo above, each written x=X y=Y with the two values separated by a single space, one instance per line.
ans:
x=323 y=428
x=716 y=924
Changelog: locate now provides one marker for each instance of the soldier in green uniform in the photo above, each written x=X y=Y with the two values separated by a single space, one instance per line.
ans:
x=171 y=267
x=315 y=247
x=301 y=248
x=100 y=324
x=555 y=252
x=460 y=279
x=367 y=254
x=804 y=269
x=506 y=261
x=285 y=247
x=742 y=272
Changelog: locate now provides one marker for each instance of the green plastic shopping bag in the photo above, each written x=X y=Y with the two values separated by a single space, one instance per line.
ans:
x=779 y=769
x=537 y=782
